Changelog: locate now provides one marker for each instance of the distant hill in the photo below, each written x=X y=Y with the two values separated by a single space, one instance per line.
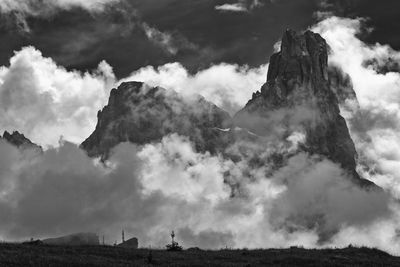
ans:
x=78 y=239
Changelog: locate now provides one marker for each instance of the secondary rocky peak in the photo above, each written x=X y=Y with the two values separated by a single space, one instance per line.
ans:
x=127 y=90
x=140 y=114
x=19 y=140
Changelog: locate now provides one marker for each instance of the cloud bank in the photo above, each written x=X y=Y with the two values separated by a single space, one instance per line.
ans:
x=45 y=101
x=153 y=189
x=229 y=86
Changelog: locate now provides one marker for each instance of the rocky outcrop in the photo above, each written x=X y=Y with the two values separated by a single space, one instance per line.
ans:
x=141 y=114
x=298 y=86
x=19 y=140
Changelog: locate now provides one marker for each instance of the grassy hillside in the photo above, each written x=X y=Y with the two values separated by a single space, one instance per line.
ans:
x=43 y=255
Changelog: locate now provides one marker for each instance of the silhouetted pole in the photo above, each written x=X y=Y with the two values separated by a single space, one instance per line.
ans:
x=123 y=236
x=173 y=236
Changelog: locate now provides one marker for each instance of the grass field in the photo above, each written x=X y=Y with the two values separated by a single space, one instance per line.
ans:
x=43 y=255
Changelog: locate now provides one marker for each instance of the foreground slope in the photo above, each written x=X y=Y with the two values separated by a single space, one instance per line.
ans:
x=23 y=255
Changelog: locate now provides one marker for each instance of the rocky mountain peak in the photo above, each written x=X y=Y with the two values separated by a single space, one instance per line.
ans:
x=302 y=57
x=298 y=97
x=140 y=114
x=19 y=140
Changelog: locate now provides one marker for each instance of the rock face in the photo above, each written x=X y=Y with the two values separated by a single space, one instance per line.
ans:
x=19 y=140
x=141 y=114
x=340 y=83
x=298 y=86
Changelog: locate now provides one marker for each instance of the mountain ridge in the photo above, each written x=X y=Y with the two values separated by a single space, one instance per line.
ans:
x=299 y=99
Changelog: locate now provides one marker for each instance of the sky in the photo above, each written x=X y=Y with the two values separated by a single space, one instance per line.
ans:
x=196 y=33
x=59 y=60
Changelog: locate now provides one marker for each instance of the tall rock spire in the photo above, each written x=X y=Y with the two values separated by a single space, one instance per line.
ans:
x=302 y=57
x=298 y=86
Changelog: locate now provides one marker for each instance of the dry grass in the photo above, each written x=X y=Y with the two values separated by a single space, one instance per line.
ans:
x=42 y=255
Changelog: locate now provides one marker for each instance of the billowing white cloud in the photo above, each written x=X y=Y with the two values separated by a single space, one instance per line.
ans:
x=46 y=101
x=229 y=86
x=204 y=180
x=237 y=7
x=376 y=123
x=240 y=6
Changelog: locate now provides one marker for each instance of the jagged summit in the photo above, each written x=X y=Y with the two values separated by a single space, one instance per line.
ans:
x=140 y=114
x=302 y=57
x=301 y=65
x=298 y=87
x=19 y=140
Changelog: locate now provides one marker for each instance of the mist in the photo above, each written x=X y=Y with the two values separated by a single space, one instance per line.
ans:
x=150 y=190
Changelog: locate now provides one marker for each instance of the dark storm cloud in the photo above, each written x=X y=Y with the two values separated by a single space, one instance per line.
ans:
x=78 y=38
x=131 y=34
x=232 y=37
x=382 y=17
x=193 y=33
